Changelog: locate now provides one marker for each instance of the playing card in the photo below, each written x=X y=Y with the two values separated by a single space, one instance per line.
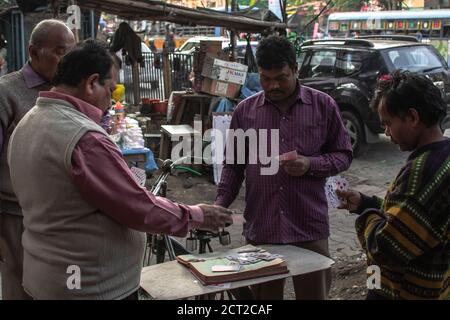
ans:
x=291 y=155
x=267 y=256
x=332 y=184
x=340 y=183
x=245 y=258
x=226 y=268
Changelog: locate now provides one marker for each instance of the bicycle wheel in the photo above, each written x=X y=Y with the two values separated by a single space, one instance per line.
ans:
x=178 y=249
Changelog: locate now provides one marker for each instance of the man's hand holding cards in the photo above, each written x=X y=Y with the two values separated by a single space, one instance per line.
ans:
x=288 y=156
x=294 y=164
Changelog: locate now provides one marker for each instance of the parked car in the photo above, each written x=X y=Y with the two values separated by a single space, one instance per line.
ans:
x=189 y=46
x=241 y=47
x=347 y=70
x=193 y=43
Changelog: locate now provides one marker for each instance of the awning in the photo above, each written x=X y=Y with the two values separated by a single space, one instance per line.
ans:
x=161 y=11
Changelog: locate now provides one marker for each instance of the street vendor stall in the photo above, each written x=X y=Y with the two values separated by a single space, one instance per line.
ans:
x=162 y=11
x=217 y=81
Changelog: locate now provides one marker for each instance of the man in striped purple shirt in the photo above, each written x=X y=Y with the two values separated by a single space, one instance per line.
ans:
x=289 y=206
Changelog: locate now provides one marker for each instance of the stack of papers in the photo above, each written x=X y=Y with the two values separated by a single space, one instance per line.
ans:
x=235 y=267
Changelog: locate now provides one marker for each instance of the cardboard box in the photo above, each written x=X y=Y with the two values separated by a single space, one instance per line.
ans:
x=226 y=71
x=220 y=88
x=222 y=78
x=207 y=47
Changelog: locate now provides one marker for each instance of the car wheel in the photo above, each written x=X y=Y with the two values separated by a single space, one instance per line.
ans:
x=356 y=132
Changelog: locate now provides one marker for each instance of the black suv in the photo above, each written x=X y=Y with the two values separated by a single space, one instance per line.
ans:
x=347 y=70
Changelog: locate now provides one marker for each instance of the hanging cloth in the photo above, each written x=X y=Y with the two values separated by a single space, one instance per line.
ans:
x=125 y=38
x=249 y=58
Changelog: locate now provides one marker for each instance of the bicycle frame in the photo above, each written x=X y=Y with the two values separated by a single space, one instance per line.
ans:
x=160 y=189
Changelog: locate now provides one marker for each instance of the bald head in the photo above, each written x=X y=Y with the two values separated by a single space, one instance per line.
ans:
x=50 y=40
x=47 y=29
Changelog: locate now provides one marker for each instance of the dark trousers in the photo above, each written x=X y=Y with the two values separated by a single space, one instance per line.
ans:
x=133 y=296
x=373 y=295
x=11 y=257
x=311 y=286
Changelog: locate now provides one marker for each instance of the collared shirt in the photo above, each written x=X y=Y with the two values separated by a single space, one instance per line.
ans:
x=105 y=182
x=281 y=208
x=32 y=80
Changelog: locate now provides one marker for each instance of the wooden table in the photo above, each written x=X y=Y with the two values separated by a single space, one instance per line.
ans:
x=171 y=280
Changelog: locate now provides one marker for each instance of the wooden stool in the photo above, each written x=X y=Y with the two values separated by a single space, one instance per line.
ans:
x=174 y=132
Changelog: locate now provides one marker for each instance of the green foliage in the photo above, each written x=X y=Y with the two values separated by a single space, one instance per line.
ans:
x=348 y=5
x=261 y=4
x=296 y=2
x=391 y=4
x=5 y=3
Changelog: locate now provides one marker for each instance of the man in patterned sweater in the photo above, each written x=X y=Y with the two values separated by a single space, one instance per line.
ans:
x=407 y=234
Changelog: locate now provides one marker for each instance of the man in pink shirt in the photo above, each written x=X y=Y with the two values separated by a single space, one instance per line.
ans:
x=83 y=209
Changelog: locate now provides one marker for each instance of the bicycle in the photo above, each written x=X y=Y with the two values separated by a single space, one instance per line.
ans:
x=160 y=244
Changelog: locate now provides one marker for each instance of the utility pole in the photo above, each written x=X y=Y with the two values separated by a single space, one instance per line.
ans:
x=233 y=33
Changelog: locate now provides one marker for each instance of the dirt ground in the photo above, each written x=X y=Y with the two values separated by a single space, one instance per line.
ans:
x=348 y=275
x=371 y=174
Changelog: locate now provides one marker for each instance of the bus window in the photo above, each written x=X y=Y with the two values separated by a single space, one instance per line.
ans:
x=446 y=31
x=431 y=23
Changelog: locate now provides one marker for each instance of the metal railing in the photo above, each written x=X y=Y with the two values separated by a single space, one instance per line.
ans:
x=181 y=65
x=160 y=74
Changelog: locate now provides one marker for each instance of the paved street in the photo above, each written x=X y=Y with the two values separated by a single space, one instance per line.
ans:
x=371 y=174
